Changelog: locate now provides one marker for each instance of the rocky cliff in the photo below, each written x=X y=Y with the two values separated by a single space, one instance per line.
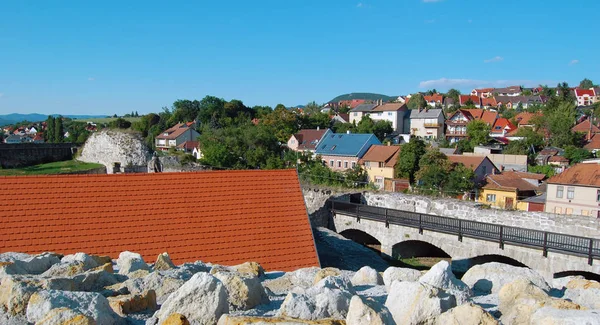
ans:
x=110 y=146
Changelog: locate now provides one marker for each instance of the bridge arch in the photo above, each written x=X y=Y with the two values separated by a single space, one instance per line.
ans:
x=587 y=275
x=417 y=248
x=362 y=238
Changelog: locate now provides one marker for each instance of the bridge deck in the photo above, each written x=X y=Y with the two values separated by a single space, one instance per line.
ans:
x=546 y=241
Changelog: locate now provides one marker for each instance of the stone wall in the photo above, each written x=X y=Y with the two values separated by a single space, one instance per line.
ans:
x=108 y=147
x=315 y=198
x=29 y=154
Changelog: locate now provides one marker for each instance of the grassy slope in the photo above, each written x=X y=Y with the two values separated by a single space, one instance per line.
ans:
x=59 y=167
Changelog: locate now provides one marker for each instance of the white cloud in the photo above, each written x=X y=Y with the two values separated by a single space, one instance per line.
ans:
x=446 y=83
x=494 y=59
x=573 y=62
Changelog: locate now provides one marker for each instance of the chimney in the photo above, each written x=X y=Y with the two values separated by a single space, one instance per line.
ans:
x=348 y=132
x=389 y=143
x=317 y=128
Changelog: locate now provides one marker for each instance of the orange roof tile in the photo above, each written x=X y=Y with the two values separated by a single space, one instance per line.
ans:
x=584 y=127
x=390 y=107
x=509 y=181
x=381 y=153
x=438 y=98
x=594 y=143
x=524 y=118
x=580 y=174
x=224 y=217
x=502 y=124
x=174 y=132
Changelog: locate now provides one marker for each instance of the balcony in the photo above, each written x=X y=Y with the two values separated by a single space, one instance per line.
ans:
x=456 y=134
x=432 y=125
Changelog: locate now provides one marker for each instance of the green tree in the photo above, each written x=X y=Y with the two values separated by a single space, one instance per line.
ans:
x=49 y=133
x=434 y=168
x=460 y=180
x=315 y=120
x=454 y=94
x=59 y=132
x=548 y=170
x=381 y=129
x=478 y=132
x=469 y=103
x=312 y=108
x=417 y=101
x=576 y=155
x=344 y=127
x=586 y=84
x=410 y=154
x=527 y=92
x=283 y=122
x=365 y=125
x=262 y=111
x=119 y=123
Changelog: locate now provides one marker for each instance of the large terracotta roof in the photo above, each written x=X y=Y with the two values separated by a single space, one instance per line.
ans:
x=389 y=107
x=174 y=132
x=509 y=181
x=471 y=162
x=594 y=143
x=224 y=217
x=580 y=174
x=585 y=127
x=381 y=153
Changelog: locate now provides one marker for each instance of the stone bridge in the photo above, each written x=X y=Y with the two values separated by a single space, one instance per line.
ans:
x=399 y=233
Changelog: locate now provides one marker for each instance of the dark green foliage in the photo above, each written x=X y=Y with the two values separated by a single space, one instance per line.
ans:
x=314 y=171
x=49 y=134
x=410 y=154
x=586 y=84
x=576 y=155
x=478 y=133
x=59 y=132
x=437 y=175
x=547 y=170
x=119 y=123
x=417 y=101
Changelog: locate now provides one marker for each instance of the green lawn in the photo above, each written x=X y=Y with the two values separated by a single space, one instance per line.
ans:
x=106 y=120
x=59 y=167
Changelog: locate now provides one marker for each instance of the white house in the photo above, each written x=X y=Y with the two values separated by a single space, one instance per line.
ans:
x=357 y=113
x=427 y=123
x=393 y=112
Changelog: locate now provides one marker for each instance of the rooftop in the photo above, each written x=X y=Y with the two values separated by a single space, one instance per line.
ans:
x=309 y=138
x=381 y=153
x=224 y=217
x=343 y=144
x=510 y=181
x=580 y=174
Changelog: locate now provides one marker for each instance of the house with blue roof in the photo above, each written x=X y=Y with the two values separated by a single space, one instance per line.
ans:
x=341 y=151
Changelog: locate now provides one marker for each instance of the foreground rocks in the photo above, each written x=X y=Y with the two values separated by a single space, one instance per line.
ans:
x=49 y=289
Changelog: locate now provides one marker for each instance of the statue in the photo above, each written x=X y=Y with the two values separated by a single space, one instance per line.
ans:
x=155 y=163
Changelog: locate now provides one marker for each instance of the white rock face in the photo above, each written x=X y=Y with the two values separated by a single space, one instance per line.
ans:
x=316 y=303
x=368 y=312
x=129 y=262
x=303 y=278
x=553 y=316
x=440 y=276
x=88 y=262
x=416 y=303
x=467 y=314
x=367 y=276
x=245 y=292
x=14 y=295
x=109 y=146
x=392 y=274
x=202 y=300
x=490 y=277
x=38 y=264
x=90 y=304
x=589 y=298
x=336 y=282
x=62 y=316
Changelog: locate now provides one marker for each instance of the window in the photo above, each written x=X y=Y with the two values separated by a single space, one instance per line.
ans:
x=353 y=164
x=559 y=192
x=389 y=113
x=331 y=163
x=339 y=164
x=333 y=147
x=490 y=198
x=355 y=114
x=558 y=210
x=585 y=212
x=346 y=164
x=568 y=211
x=381 y=164
x=570 y=193
x=598 y=195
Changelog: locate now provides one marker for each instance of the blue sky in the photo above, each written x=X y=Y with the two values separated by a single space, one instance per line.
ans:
x=106 y=57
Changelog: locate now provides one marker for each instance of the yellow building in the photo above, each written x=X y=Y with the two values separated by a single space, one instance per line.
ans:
x=379 y=163
x=507 y=189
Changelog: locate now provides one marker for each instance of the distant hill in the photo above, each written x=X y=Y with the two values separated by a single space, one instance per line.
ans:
x=16 y=117
x=367 y=96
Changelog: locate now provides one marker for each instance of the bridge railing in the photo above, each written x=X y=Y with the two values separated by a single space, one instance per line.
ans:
x=544 y=240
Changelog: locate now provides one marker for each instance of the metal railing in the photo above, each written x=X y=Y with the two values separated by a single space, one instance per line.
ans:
x=546 y=241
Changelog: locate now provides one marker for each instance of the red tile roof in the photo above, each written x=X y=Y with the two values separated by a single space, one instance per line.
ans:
x=583 y=92
x=380 y=153
x=434 y=98
x=471 y=162
x=308 y=139
x=524 y=118
x=174 y=132
x=224 y=217
x=509 y=181
x=584 y=127
x=390 y=107
x=580 y=174
x=464 y=98
x=502 y=124
x=594 y=143
x=189 y=145
x=489 y=101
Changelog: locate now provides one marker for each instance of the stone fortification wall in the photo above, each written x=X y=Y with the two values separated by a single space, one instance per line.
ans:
x=109 y=147
x=29 y=154
x=573 y=225
x=317 y=207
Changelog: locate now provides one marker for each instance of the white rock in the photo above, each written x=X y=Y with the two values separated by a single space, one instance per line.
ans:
x=91 y=304
x=88 y=262
x=336 y=282
x=129 y=262
x=589 y=298
x=38 y=264
x=14 y=295
x=163 y=262
x=110 y=146
x=245 y=292
x=367 y=276
x=560 y=283
x=316 y=303
x=553 y=316
x=392 y=274
x=202 y=300
x=467 y=314
x=368 y=312
x=417 y=303
x=64 y=316
x=490 y=277
x=303 y=278
x=440 y=276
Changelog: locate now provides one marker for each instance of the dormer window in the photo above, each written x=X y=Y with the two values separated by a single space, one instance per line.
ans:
x=166 y=134
x=333 y=148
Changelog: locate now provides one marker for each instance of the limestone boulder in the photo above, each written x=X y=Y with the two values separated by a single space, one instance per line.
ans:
x=176 y=319
x=303 y=278
x=8 y=268
x=392 y=274
x=163 y=263
x=417 y=303
x=70 y=268
x=65 y=316
x=101 y=259
x=314 y=304
x=38 y=264
x=520 y=299
x=553 y=316
x=491 y=277
x=90 y=304
x=133 y=303
x=367 y=276
x=440 y=276
x=467 y=314
x=335 y=282
x=202 y=299
x=88 y=261
x=366 y=311
x=251 y=269
x=245 y=292
x=583 y=292
x=129 y=262
x=561 y=283
x=15 y=294
x=252 y=320
x=96 y=280
x=323 y=273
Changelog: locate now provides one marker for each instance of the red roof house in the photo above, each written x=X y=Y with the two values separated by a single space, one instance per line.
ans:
x=223 y=217
x=463 y=99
